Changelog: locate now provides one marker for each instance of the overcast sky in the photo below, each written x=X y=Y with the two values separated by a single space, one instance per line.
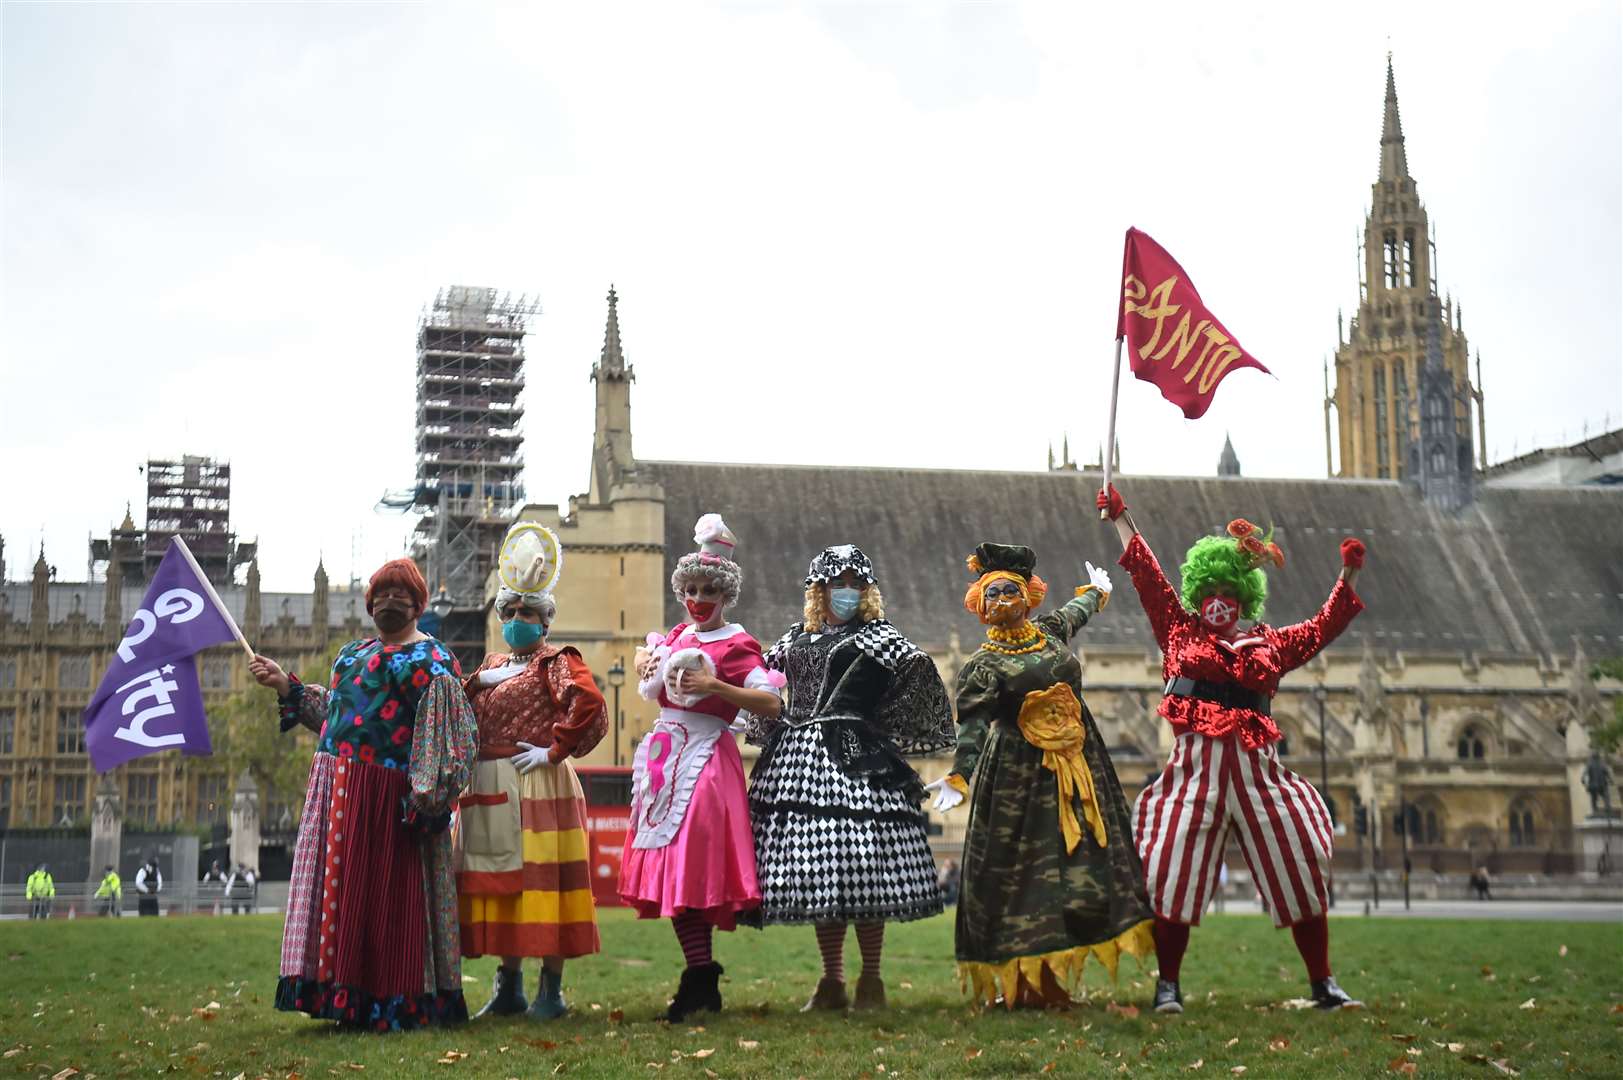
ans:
x=875 y=234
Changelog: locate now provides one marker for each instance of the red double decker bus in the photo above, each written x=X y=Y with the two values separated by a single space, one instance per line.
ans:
x=608 y=818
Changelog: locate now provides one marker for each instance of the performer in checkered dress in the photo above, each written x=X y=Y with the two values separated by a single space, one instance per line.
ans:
x=839 y=833
x=1224 y=777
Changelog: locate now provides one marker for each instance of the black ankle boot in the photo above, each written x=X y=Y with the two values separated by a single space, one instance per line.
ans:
x=507 y=997
x=698 y=990
x=1327 y=994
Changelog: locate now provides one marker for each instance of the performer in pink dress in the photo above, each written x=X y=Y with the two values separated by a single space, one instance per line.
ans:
x=689 y=853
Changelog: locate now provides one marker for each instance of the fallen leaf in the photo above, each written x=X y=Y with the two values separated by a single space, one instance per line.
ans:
x=469 y=978
x=971 y=1055
x=617 y=1015
x=906 y=985
x=1487 y=973
x=1198 y=1063
x=558 y=1068
x=1126 y=1012
x=66 y=1073
x=656 y=1064
x=1050 y=1066
x=1560 y=952
x=356 y=1065
x=1403 y=1065
x=1618 y=1008
x=1503 y=1066
x=1238 y=1070
x=1279 y=1043
x=748 y=1044
x=714 y=1075
x=1403 y=1038
x=17 y=1050
x=702 y=1054
x=1232 y=1042
x=1414 y=1051
x=1530 y=1003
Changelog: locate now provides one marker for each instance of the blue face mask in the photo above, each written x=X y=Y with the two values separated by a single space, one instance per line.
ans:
x=520 y=634
x=843 y=602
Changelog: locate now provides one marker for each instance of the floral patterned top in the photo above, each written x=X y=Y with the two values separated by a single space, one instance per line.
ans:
x=371 y=703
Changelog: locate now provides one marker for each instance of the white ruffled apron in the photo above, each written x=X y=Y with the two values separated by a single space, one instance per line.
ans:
x=665 y=771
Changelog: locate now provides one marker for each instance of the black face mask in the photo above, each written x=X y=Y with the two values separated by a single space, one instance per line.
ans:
x=389 y=619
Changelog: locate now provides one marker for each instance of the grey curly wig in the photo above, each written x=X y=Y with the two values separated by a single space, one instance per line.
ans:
x=541 y=603
x=724 y=572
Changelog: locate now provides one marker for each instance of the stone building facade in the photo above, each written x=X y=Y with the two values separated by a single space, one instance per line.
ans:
x=56 y=639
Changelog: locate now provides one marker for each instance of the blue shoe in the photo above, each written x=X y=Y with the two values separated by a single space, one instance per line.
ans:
x=507 y=998
x=549 y=1001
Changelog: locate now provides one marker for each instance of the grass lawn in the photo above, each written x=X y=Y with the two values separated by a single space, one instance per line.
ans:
x=191 y=996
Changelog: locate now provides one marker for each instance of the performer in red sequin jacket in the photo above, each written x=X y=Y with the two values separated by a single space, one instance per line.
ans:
x=1224 y=776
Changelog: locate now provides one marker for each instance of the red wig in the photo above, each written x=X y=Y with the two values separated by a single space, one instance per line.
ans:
x=399 y=574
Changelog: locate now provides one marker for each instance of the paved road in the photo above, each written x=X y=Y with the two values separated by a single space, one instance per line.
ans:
x=1531 y=910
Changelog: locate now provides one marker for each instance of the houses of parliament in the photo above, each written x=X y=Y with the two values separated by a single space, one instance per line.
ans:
x=1461 y=696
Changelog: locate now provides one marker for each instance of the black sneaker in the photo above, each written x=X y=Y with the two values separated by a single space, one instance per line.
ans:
x=1327 y=995
x=1168 y=998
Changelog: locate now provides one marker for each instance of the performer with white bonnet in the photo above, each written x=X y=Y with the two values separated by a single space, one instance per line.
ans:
x=689 y=854
x=525 y=883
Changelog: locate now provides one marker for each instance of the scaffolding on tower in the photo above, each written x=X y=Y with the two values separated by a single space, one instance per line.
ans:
x=470 y=373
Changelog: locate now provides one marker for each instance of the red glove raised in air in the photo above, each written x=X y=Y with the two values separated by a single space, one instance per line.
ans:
x=1111 y=503
x=1352 y=553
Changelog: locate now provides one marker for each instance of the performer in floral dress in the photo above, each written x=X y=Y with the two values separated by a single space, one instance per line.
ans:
x=525 y=882
x=1224 y=776
x=371 y=932
x=1050 y=872
x=839 y=832
x=689 y=855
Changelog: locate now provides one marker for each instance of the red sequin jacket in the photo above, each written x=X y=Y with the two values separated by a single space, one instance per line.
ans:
x=554 y=701
x=1256 y=660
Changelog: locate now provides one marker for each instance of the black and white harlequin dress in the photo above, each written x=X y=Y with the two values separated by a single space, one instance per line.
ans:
x=839 y=826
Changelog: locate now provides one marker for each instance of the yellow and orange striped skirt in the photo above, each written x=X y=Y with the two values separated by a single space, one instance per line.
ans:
x=524 y=879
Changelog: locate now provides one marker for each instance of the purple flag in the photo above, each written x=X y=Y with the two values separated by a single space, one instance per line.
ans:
x=149 y=700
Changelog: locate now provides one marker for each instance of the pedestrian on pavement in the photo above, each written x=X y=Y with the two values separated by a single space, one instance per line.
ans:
x=110 y=893
x=1479 y=883
x=242 y=889
x=148 y=881
x=41 y=890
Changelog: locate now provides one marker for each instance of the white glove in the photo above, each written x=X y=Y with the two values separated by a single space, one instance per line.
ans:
x=531 y=756
x=946 y=796
x=1098 y=578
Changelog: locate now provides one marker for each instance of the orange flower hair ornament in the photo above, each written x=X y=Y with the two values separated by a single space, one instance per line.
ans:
x=1257 y=547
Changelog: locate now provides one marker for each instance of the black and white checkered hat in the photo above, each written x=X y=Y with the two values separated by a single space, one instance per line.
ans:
x=831 y=562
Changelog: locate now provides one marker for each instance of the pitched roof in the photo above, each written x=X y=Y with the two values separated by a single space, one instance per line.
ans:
x=1522 y=571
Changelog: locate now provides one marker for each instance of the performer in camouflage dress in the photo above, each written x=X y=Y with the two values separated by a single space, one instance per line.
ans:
x=1050 y=872
x=839 y=832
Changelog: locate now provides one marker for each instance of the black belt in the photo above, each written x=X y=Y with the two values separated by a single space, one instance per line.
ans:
x=1229 y=695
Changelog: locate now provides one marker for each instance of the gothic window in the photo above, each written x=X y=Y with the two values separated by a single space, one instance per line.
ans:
x=1390 y=244
x=141 y=799
x=1380 y=418
x=213 y=800
x=1433 y=832
x=73 y=672
x=70 y=731
x=216 y=673
x=1439 y=461
x=8 y=674
x=8 y=732
x=1522 y=830
x=68 y=799
x=1408 y=257
x=1470 y=745
x=5 y=802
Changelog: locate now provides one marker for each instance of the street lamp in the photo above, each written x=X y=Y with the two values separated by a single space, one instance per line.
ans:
x=442 y=603
x=617 y=679
x=1319 y=695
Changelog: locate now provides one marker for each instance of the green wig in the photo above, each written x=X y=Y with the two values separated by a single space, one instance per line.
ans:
x=1217 y=562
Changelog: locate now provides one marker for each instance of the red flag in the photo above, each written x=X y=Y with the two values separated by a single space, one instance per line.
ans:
x=1176 y=343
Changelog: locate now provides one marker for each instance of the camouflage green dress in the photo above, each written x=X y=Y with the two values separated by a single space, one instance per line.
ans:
x=1026 y=901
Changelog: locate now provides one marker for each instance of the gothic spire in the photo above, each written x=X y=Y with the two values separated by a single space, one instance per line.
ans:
x=1394 y=162
x=1228 y=464
x=612 y=360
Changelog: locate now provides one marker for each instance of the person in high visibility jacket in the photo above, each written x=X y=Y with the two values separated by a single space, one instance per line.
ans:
x=110 y=893
x=41 y=890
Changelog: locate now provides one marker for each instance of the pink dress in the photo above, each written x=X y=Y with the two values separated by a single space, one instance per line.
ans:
x=689 y=846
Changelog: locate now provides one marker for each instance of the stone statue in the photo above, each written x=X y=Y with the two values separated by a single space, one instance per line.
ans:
x=1597 y=781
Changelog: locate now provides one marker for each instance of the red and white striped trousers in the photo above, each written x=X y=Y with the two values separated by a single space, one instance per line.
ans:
x=1211 y=788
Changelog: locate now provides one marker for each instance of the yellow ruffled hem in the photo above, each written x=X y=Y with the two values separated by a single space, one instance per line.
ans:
x=988 y=982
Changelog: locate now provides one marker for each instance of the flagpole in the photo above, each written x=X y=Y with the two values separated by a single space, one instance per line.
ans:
x=1110 y=440
x=219 y=605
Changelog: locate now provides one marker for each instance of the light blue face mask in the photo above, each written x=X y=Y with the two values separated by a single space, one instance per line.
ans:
x=520 y=634
x=843 y=602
